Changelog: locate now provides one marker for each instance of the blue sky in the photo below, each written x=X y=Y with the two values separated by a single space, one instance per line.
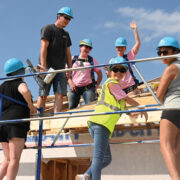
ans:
x=100 y=20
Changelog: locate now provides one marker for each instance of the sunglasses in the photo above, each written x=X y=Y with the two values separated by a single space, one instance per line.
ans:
x=121 y=70
x=66 y=17
x=163 y=52
x=88 y=47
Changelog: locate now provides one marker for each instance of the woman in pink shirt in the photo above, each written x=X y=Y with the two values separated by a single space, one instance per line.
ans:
x=112 y=98
x=129 y=82
x=82 y=82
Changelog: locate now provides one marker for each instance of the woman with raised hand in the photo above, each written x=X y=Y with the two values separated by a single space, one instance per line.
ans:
x=129 y=82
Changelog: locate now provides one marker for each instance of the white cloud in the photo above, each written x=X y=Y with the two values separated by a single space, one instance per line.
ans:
x=110 y=24
x=115 y=25
x=153 y=23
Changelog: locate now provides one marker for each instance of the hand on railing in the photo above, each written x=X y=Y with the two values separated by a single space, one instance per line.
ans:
x=33 y=110
x=40 y=110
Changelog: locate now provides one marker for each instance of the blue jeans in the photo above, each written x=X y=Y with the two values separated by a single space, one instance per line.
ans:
x=102 y=152
x=74 y=97
x=59 y=85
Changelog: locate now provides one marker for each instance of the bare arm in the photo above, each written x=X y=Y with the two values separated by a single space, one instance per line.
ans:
x=169 y=74
x=23 y=89
x=99 y=78
x=69 y=64
x=69 y=58
x=136 y=47
x=43 y=52
x=132 y=102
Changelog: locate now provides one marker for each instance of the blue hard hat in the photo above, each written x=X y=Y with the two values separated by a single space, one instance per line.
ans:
x=120 y=42
x=67 y=11
x=118 y=59
x=168 y=41
x=12 y=65
x=86 y=42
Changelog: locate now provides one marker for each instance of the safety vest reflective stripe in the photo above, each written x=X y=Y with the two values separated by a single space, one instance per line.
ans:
x=102 y=102
x=108 y=105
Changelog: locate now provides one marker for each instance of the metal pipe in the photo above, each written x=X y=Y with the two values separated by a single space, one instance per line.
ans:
x=67 y=112
x=147 y=85
x=92 y=114
x=92 y=110
x=39 y=154
x=58 y=134
x=92 y=144
x=12 y=99
x=95 y=66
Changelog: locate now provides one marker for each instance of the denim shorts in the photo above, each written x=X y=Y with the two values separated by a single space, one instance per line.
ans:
x=59 y=85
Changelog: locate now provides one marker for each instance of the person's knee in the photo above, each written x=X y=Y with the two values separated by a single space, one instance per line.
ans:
x=176 y=149
x=6 y=162
x=108 y=161
x=71 y=106
x=97 y=165
x=169 y=146
x=58 y=96
x=14 y=161
x=88 y=98
x=43 y=98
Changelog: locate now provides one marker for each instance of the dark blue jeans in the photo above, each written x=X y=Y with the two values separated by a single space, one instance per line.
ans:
x=74 y=97
x=102 y=152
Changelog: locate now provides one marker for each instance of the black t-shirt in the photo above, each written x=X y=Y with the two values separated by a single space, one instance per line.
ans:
x=10 y=109
x=59 y=40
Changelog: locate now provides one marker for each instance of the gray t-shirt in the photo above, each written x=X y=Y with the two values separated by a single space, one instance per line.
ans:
x=59 y=40
x=172 y=95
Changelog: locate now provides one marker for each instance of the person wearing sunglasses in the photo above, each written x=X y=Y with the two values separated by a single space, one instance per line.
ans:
x=83 y=83
x=168 y=93
x=111 y=98
x=55 y=53
x=129 y=82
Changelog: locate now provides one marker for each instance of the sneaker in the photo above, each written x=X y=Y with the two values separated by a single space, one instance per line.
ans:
x=81 y=177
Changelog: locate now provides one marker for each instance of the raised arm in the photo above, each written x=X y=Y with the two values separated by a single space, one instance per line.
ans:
x=137 y=44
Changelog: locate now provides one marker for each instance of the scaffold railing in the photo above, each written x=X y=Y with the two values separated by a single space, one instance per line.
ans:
x=142 y=108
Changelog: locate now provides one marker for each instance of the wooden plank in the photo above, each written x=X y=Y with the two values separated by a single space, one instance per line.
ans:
x=80 y=123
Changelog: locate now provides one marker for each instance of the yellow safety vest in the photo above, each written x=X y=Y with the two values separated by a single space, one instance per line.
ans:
x=107 y=103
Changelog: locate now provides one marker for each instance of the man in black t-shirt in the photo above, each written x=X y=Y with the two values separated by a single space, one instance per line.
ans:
x=55 y=53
